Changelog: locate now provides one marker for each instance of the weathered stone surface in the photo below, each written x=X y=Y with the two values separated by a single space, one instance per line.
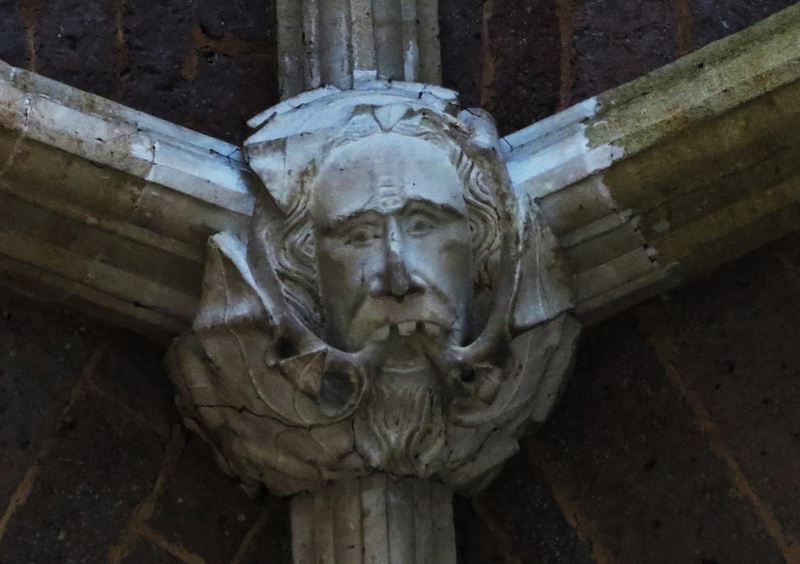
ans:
x=414 y=280
x=637 y=185
x=108 y=222
x=740 y=342
x=726 y=296
x=341 y=43
x=380 y=518
x=249 y=20
x=398 y=312
x=623 y=248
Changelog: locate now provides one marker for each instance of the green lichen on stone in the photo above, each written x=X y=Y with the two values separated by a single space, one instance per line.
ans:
x=700 y=86
x=711 y=146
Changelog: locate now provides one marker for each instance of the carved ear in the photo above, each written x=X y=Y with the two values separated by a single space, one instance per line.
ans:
x=481 y=127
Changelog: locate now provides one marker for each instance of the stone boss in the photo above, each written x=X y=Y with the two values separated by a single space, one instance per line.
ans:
x=396 y=309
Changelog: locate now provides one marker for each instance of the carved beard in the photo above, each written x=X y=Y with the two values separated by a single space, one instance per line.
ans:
x=401 y=429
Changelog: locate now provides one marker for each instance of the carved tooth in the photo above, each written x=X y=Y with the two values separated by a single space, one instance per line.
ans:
x=406 y=328
x=432 y=329
x=381 y=334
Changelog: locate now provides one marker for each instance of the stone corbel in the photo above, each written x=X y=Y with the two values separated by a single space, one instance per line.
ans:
x=397 y=317
x=378 y=296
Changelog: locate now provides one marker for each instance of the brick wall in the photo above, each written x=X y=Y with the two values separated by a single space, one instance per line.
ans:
x=677 y=441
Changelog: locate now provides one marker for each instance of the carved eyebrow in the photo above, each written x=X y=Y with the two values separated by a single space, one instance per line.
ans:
x=344 y=222
x=439 y=208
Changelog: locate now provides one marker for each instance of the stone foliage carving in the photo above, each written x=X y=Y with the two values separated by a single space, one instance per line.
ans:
x=397 y=306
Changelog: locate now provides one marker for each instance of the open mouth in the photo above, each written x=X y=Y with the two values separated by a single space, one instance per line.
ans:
x=406 y=329
x=405 y=347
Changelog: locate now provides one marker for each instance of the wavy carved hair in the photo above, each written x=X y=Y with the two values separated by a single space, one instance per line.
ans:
x=297 y=263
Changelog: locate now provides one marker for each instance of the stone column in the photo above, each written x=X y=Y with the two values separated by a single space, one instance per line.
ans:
x=379 y=519
x=343 y=42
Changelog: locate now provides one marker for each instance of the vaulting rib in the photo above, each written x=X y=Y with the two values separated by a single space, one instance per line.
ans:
x=107 y=209
x=673 y=174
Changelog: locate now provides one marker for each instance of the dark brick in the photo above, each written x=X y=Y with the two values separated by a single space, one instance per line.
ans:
x=618 y=41
x=229 y=90
x=715 y=19
x=738 y=341
x=12 y=39
x=131 y=369
x=522 y=503
x=197 y=86
x=145 y=553
x=524 y=44
x=625 y=446
x=158 y=37
x=475 y=542
x=75 y=44
x=250 y=20
x=42 y=349
x=460 y=23
x=274 y=542
x=203 y=510
x=98 y=472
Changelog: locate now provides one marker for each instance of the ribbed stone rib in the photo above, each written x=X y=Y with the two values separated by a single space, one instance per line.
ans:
x=378 y=519
x=651 y=183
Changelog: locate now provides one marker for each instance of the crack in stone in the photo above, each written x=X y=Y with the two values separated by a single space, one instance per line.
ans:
x=243 y=409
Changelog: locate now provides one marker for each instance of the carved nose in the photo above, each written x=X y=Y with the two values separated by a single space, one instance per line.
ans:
x=397 y=277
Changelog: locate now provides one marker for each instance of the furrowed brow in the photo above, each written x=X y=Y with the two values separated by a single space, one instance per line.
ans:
x=343 y=222
x=423 y=204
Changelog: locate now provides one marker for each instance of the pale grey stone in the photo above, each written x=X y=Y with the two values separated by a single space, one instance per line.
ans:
x=395 y=319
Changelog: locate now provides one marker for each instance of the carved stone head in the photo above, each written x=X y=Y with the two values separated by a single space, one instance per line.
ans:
x=397 y=306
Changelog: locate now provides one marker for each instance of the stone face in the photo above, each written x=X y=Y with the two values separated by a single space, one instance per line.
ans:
x=396 y=319
x=398 y=308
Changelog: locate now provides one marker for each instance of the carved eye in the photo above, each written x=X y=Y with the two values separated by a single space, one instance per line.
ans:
x=362 y=235
x=420 y=224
